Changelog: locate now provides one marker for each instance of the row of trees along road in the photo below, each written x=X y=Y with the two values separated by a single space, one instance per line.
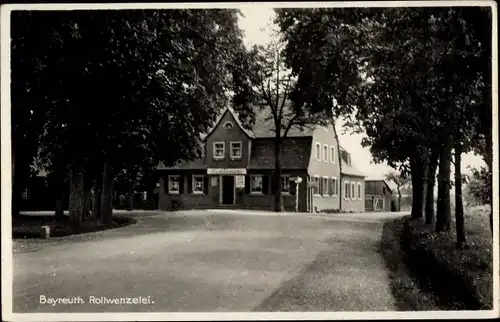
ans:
x=424 y=95
x=89 y=102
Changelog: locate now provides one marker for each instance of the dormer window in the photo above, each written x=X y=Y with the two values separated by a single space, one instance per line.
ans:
x=228 y=125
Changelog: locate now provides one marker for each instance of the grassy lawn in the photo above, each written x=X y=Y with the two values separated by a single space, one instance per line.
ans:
x=27 y=226
x=456 y=279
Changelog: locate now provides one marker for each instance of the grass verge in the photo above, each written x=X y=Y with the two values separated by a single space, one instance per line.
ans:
x=404 y=286
x=24 y=226
x=462 y=278
x=428 y=272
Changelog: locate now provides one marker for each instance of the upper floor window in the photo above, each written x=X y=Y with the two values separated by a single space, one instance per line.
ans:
x=236 y=150
x=228 y=125
x=325 y=153
x=285 y=184
x=318 y=151
x=219 y=150
x=332 y=154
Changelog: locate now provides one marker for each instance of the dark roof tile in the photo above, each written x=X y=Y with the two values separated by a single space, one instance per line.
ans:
x=295 y=154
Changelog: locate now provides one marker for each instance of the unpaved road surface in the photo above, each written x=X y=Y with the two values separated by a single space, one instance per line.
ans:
x=211 y=261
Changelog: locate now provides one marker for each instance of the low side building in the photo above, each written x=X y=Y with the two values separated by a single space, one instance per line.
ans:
x=378 y=195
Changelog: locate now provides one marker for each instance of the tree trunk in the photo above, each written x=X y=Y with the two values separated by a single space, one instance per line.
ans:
x=76 y=200
x=20 y=175
x=17 y=190
x=399 y=198
x=431 y=182
x=443 y=215
x=459 y=207
x=59 y=209
x=339 y=157
x=107 y=196
x=417 y=182
x=278 y=198
x=87 y=186
x=429 y=201
x=130 y=193
x=96 y=202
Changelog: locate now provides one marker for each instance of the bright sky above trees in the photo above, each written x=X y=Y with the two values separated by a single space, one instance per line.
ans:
x=254 y=24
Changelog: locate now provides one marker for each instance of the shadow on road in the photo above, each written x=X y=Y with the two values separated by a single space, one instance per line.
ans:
x=348 y=276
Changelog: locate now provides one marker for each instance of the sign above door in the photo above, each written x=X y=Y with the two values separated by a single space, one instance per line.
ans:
x=227 y=171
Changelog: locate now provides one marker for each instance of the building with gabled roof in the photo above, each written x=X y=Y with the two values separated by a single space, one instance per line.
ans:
x=378 y=194
x=238 y=162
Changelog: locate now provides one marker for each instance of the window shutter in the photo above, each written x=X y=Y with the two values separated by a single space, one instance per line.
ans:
x=247 y=184
x=181 y=184
x=206 y=181
x=293 y=188
x=190 y=183
x=265 y=184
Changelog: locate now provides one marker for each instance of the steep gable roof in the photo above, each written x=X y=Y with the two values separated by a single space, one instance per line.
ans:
x=237 y=120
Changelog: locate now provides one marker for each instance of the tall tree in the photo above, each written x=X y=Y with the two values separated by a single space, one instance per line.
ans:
x=148 y=83
x=273 y=84
x=320 y=45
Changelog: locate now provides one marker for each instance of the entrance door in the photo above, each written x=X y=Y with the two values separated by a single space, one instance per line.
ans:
x=228 y=190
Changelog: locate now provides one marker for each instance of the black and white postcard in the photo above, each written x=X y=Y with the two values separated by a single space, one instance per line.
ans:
x=248 y=161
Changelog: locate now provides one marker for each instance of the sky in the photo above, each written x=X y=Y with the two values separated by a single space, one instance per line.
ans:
x=255 y=26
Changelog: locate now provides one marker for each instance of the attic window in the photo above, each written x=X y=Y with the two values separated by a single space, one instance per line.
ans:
x=228 y=125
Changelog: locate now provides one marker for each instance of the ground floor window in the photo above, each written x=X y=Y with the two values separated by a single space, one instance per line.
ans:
x=347 y=190
x=173 y=184
x=325 y=186
x=26 y=194
x=256 y=184
x=316 y=185
x=353 y=190
x=285 y=184
x=359 y=190
x=198 y=184
x=334 y=188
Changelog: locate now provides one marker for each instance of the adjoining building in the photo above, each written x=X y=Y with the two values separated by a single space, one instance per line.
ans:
x=378 y=195
x=237 y=166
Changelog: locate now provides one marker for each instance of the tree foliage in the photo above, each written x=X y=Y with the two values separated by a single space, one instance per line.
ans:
x=479 y=185
x=137 y=91
x=416 y=81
